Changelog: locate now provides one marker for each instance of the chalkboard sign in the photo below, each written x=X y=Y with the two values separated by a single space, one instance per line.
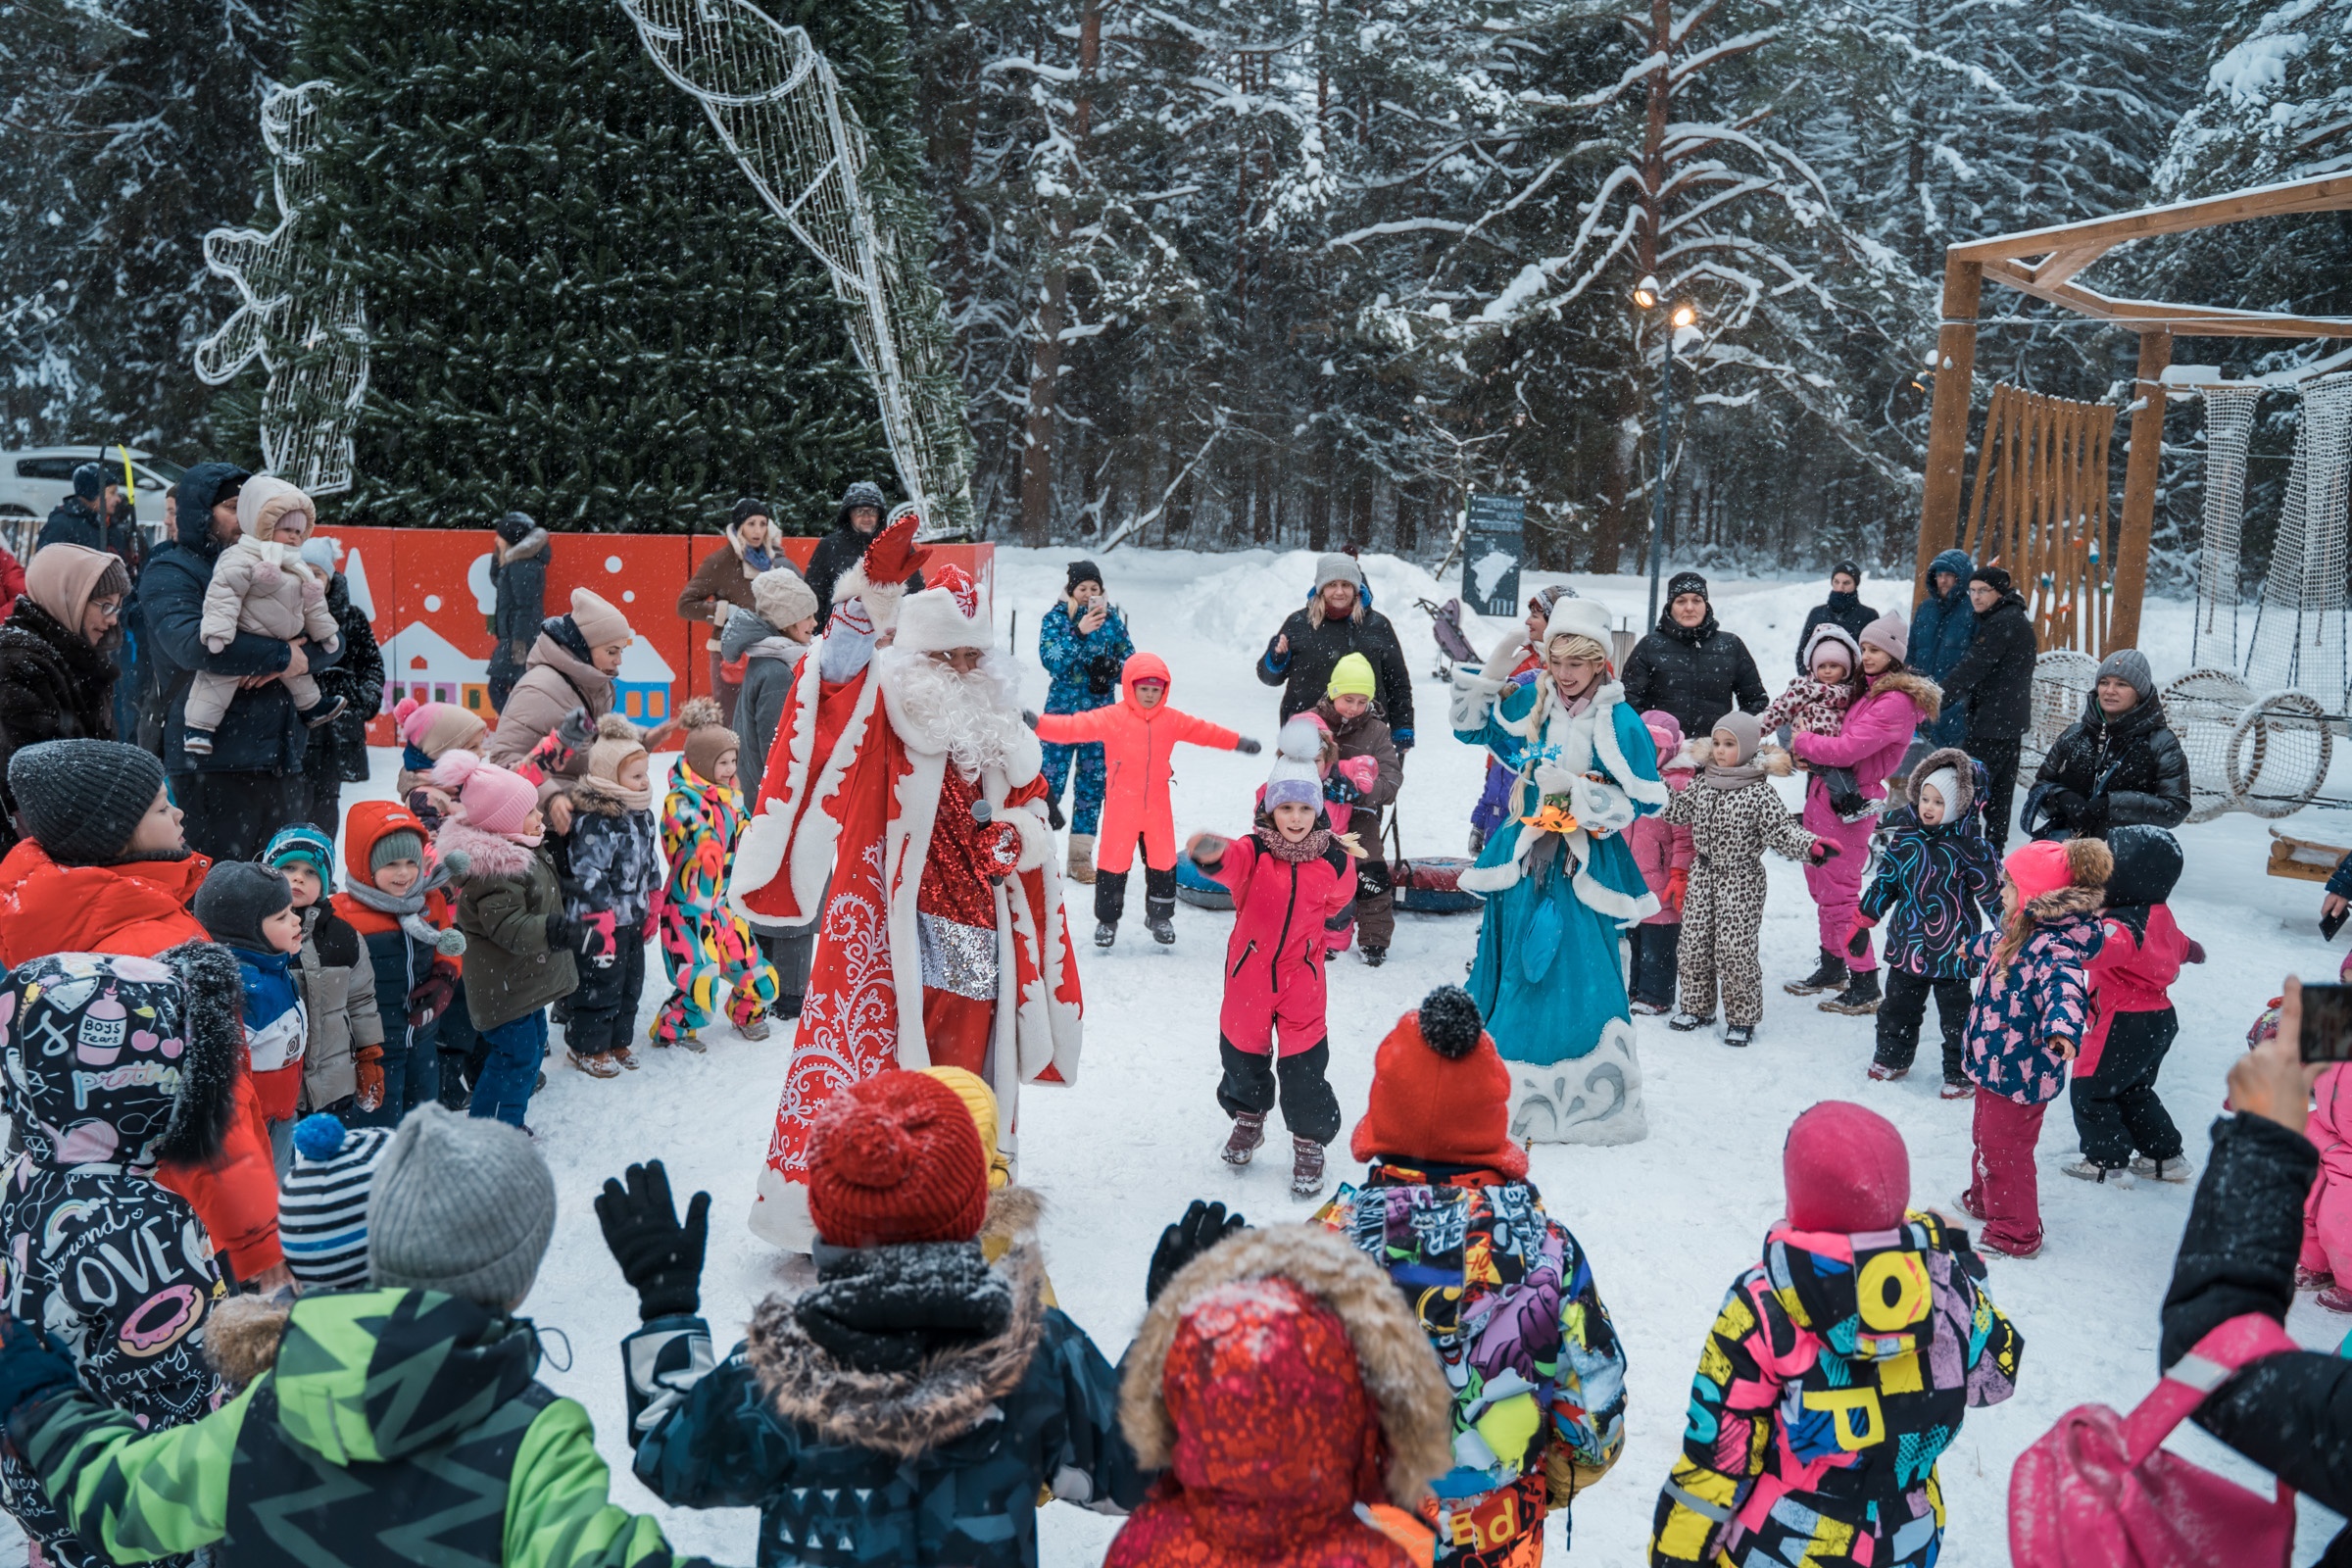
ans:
x=1491 y=548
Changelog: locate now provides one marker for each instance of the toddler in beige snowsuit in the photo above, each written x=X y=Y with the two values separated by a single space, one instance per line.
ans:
x=262 y=586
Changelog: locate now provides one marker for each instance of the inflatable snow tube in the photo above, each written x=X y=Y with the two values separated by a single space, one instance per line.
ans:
x=1433 y=886
x=1198 y=887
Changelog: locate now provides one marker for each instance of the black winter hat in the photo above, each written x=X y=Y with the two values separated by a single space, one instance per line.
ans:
x=1685 y=582
x=746 y=509
x=864 y=493
x=237 y=896
x=1081 y=572
x=514 y=527
x=89 y=481
x=81 y=800
x=1851 y=569
x=2147 y=864
x=1997 y=578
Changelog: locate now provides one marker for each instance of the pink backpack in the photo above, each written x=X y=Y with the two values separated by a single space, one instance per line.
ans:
x=2099 y=1491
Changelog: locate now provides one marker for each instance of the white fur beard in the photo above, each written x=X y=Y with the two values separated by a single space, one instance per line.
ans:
x=974 y=718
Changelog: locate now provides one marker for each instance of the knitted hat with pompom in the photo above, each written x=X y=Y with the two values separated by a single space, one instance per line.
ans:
x=1439 y=1091
x=709 y=738
x=896 y=1159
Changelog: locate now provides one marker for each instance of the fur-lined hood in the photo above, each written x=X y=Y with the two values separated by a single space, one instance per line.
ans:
x=522 y=549
x=1922 y=691
x=2067 y=904
x=1962 y=765
x=1401 y=1372
x=487 y=855
x=899 y=1413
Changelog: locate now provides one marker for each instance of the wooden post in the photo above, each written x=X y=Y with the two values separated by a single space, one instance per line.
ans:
x=2139 y=492
x=1947 y=418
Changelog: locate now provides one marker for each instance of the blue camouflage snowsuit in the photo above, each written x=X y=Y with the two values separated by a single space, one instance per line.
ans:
x=1072 y=660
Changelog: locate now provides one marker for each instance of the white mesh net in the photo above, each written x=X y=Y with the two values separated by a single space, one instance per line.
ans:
x=2298 y=641
x=2228 y=425
x=774 y=100
x=312 y=342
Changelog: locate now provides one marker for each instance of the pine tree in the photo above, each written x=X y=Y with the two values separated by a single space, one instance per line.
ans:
x=577 y=305
x=127 y=128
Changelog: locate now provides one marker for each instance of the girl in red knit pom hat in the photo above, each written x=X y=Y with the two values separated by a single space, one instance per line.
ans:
x=1503 y=1289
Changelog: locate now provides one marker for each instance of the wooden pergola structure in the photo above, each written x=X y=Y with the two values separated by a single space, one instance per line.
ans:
x=2044 y=262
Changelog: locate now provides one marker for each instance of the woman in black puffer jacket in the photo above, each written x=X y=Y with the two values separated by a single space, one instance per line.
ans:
x=57 y=679
x=2119 y=762
x=1691 y=667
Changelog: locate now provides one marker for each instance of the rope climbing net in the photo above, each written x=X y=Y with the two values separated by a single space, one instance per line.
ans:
x=2228 y=428
x=2298 y=638
x=311 y=339
x=774 y=101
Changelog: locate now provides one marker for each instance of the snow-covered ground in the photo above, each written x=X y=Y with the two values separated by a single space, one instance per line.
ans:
x=1668 y=1222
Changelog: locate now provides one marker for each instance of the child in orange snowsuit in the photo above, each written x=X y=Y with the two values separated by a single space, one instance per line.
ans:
x=1140 y=734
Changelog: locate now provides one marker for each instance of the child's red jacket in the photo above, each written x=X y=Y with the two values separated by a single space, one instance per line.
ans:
x=1138 y=747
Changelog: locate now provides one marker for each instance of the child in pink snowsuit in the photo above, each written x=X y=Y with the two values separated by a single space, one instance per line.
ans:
x=1362 y=772
x=1663 y=851
x=2327 y=1260
x=1870 y=743
x=1286 y=879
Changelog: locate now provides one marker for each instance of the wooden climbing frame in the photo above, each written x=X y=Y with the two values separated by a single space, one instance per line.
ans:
x=2044 y=262
x=2039 y=505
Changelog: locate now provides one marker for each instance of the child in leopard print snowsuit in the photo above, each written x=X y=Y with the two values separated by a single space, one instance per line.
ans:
x=1734 y=816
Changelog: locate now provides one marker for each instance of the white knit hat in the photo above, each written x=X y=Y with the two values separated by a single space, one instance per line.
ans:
x=1578 y=618
x=951 y=611
x=1945 y=782
x=1298 y=751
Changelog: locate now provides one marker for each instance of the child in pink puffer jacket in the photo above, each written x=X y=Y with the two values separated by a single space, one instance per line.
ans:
x=1287 y=878
x=1663 y=851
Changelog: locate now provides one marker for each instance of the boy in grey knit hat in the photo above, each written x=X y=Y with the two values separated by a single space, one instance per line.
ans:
x=462 y=1204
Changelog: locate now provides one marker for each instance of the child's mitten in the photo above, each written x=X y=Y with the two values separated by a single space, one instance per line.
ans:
x=2196 y=950
x=597 y=940
x=433 y=995
x=1248 y=746
x=1208 y=850
x=1823 y=851
x=1678 y=888
x=369 y=1062
x=313 y=593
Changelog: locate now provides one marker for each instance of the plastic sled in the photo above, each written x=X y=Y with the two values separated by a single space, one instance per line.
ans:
x=1198 y=887
x=1432 y=885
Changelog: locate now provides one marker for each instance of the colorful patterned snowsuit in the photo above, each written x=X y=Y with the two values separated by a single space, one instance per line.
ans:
x=705 y=945
x=1723 y=908
x=1071 y=659
x=1507 y=1300
x=1836 y=1375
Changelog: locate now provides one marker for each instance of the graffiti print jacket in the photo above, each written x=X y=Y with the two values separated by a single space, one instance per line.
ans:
x=1507 y=1300
x=1837 y=1374
x=112 y=1064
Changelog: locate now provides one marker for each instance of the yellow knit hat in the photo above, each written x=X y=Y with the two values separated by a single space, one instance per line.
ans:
x=1353 y=677
x=981 y=1102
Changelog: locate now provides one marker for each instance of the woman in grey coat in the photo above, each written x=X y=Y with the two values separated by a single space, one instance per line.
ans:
x=770 y=639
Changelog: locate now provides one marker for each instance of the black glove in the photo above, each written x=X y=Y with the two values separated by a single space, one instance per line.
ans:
x=2091 y=817
x=34 y=1365
x=661 y=1258
x=1202 y=1227
x=2066 y=807
x=1029 y=717
x=1341 y=789
x=1248 y=746
x=560 y=933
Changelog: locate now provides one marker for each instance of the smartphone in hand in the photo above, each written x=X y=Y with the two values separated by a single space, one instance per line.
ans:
x=2330 y=924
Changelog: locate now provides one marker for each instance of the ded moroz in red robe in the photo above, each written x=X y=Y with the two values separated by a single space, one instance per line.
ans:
x=849 y=791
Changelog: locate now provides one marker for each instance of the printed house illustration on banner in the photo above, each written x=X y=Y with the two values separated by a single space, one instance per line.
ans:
x=641 y=691
x=421 y=662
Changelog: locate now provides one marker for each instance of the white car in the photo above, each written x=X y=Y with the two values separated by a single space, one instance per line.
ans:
x=33 y=480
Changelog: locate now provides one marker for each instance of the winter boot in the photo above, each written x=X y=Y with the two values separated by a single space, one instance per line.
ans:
x=1106 y=933
x=2335 y=1299
x=1684 y=1022
x=196 y=742
x=1159 y=918
x=2175 y=1171
x=1054 y=818
x=1306 y=1167
x=1860 y=998
x=757 y=1029
x=1082 y=858
x=327 y=712
x=1742 y=1035
x=1827 y=977
x=1957 y=1089
x=2311 y=1278
x=1884 y=1074
x=2087 y=1170
x=1374 y=957
x=1249 y=1131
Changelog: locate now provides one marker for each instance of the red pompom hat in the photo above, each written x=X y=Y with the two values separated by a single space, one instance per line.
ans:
x=1846 y=1169
x=896 y=1159
x=1439 y=1091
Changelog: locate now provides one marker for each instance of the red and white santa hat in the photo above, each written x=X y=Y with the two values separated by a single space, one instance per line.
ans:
x=951 y=611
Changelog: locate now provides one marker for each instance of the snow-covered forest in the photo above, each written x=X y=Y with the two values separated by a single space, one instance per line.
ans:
x=1219 y=272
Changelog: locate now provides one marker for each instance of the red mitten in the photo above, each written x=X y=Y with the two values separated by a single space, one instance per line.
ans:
x=1821 y=850
x=433 y=995
x=1677 y=887
x=894 y=555
x=368 y=1061
x=2196 y=950
x=596 y=942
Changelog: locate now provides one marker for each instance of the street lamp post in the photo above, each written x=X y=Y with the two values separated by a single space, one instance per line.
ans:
x=1650 y=297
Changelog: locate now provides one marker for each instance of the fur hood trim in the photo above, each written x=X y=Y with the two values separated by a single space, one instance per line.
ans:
x=899 y=1413
x=1013 y=1213
x=487 y=855
x=1401 y=1371
x=522 y=549
x=242 y=1336
x=2066 y=904
x=1922 y=691
x=208 y=1087
x=1962 y=765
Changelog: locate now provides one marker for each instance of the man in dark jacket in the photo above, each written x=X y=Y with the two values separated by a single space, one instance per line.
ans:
x=518 y=576
x=1339 y=621
x=853 y=530
x=2119 y=764
x=338 y=752
x=2289 y=1412
x=1843 y=607
x=1690 y=667
x=94 y=518
x=252 y=783
x=1995 y=682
